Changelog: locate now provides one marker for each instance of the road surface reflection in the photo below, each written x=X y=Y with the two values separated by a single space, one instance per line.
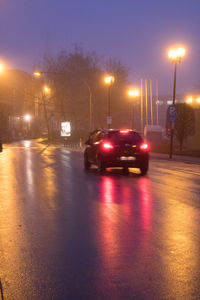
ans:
x=127 y=235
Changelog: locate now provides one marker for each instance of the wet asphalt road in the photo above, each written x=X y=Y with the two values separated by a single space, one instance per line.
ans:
x=70 y=234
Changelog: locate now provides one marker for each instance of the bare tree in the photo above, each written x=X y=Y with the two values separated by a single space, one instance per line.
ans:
x=185 y=122
x=80 y=95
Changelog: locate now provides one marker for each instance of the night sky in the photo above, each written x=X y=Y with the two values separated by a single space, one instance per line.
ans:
x=139 y=33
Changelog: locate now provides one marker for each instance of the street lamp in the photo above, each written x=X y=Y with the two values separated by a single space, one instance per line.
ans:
x=27 y=117
x=90 y=102
x=133 y=93
x=175 y=55
x=37 y=74
x=46 y=90
x=189 y=100
x=109 y=80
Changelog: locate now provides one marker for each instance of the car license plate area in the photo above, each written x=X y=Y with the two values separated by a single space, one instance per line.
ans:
x=127 y=158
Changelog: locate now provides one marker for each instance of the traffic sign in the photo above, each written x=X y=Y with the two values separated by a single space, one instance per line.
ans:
x=171 y=113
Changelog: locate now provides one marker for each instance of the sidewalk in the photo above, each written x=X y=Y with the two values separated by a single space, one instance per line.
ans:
x=186 y=159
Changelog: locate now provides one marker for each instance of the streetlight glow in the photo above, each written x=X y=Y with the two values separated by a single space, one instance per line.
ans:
x=109 y=79
x=189 y=100
x=198 y=100
x=27 y=117
x=1 y=67
x=176 y=54
x=180 y=52
x=37 y=74
x=46 y=90
x=133 y=93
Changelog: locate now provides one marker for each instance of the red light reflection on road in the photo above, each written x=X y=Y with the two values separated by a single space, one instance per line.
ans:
x=124 y=221
x=107 y=190
x=146 y=203
x=108 y=222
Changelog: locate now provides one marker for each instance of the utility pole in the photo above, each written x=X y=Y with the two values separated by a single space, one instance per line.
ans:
x=151 y=100
x=141 y=110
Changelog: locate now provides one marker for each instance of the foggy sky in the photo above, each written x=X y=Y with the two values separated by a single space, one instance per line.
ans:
x=139 y=33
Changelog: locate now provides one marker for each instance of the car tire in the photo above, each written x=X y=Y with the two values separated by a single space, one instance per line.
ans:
x=87 y=164
x=144 y=168
x=100 y=165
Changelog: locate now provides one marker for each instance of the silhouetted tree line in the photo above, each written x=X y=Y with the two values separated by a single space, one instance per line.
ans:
x=74 y=77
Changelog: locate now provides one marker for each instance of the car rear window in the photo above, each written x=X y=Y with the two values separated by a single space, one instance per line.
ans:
x=130 y=137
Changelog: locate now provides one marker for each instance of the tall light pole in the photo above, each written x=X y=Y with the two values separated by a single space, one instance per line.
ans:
x=27 y=119
x=45 y=92
x=175 y=55
x=141 y=109
x=90 y=103
x=109 y=80
x=133 y=93
x=156 y=102
x=39 y=74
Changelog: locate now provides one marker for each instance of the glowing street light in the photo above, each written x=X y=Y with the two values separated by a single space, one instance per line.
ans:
x=1 y=67
x=109 y=80
x=46 y=90
x=189 y=100
x=37 y=74
x=133 y=93
x=175 y=56
x=27 y=117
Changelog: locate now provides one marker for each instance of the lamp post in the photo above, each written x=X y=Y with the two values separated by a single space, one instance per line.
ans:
x=39 y=74
x=45 y=92
x=133 y=93
x=109 y=80
x=27 y=119
x=175 y=55
x=90 y=102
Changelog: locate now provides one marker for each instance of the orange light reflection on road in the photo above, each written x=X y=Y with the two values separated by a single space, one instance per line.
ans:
x=29 y=172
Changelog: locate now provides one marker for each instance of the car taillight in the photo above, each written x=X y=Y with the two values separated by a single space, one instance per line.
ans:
x=144 y=147
x=107 y=146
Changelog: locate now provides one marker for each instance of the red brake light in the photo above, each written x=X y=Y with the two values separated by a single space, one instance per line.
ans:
x=124 y=131
x=107 y=146
x=144 y=146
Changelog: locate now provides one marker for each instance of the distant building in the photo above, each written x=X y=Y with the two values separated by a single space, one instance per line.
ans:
x=17 y=93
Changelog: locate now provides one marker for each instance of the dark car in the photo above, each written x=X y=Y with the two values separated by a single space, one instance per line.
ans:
x=116 y=148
